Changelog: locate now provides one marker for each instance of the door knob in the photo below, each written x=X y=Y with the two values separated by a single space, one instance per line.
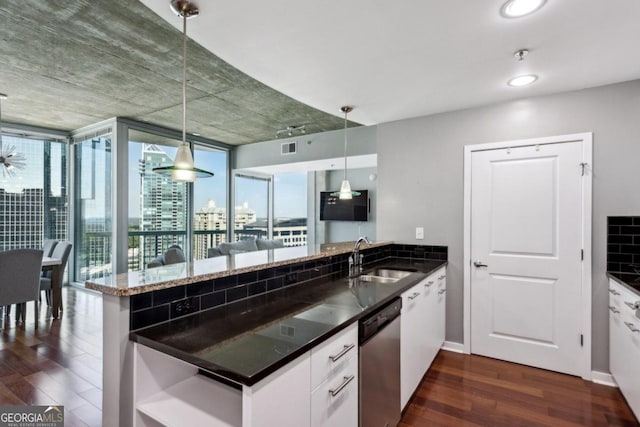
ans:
x=479 y=264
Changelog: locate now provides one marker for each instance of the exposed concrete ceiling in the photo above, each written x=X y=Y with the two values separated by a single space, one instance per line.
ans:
x=399 y=59
x=69 y=64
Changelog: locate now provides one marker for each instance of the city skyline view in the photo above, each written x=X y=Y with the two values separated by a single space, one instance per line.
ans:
x=290 y=189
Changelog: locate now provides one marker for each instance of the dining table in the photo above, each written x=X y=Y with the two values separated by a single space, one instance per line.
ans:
x=53 y=265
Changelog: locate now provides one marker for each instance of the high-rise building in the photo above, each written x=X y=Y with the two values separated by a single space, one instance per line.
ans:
x=21 y=219
x=214 y=220
x=33 y=203
x=163 y=205
x=292 y=231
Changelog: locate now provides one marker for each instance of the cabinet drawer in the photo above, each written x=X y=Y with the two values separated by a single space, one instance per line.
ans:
x=333 y=355
x=335 y=401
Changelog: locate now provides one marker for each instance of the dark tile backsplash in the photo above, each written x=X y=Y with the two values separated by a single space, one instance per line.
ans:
x=159 y=306
x=623 y=244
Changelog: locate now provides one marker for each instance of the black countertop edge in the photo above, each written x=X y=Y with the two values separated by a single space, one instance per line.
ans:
x=628 y=280
x=225 y=374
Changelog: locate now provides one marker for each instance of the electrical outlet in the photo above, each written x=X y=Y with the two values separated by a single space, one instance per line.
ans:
x=182 y=307
x=419 y=233
x=291 y=278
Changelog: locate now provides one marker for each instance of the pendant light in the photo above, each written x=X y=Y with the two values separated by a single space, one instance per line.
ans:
x=345 y=192
x=183 y=168
x=10 y=160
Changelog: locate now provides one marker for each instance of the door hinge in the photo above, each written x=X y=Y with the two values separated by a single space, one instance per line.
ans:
x=581 y=254
x=581 y=340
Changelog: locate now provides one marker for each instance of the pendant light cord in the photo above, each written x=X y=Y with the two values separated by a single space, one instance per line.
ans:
x=345 y=145
x=184 y=79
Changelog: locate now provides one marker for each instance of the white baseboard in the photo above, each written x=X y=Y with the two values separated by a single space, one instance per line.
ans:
x=455 y=347
x=603 y=378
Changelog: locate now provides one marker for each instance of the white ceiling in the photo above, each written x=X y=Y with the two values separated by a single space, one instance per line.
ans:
x=399 y=59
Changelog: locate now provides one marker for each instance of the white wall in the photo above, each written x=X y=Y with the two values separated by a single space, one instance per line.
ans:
x=420 y=176
x=326 y=145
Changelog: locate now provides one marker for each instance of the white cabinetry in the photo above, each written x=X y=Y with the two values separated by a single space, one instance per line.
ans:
x=334 y=379
x=624 y=343
x=170 y=392
x=441 y=316
x=422 y=330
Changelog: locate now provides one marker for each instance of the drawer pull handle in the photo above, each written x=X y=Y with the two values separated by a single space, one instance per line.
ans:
x=414 y=295
x=614 y=292
x=344 y=351
x=442 y=291
x=614 y=310
x=335 y=391
x=428 y=284
x=632 y=327
x=633 y=305
x=441 y=277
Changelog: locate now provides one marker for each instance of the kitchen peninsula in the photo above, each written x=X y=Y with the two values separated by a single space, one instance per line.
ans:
x=304 y=285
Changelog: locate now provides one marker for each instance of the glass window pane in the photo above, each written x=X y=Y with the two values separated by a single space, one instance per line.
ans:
x=210 y=200
x=251 y=213
x=93 y=242
x=33 y=200
x=157 y=205
x=290 y=208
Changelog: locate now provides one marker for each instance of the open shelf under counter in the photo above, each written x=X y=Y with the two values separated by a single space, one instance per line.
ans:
x=200 y=400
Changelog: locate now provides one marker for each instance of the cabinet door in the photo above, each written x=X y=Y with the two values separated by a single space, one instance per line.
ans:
x=282 y=399
x=442 y=307
x=431 y=324
x=616 y=334
x=411 y=330
x=628 y=350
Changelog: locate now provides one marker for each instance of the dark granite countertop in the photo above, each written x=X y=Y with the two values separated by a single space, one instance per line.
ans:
x=246 y=341
x=631 y=281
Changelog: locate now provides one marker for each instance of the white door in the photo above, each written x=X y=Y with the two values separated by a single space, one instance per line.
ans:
x=526 y=241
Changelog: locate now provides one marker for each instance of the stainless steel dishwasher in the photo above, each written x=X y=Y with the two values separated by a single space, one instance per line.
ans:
x=379 y=338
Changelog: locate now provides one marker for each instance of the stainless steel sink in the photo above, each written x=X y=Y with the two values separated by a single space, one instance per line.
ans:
x=390 y=273
x=377 y=279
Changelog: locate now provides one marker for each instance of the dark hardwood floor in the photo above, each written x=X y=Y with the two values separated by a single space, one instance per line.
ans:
x=61 y=363
x=463 y=390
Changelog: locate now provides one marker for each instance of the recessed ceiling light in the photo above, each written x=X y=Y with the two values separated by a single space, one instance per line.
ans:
x=518 y=8
x=522 y=80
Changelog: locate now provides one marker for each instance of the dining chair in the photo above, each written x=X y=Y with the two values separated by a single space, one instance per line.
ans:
x=61 y=251
x=49 y=245
x=20 y=273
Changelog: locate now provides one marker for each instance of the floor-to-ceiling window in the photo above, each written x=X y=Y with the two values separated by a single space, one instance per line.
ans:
x=162 y=213
x=210 y=200
x=157 y=205
x=252 y=210
x=33 y=199
x=125 y=214
x=93 y=220
x=290 y=208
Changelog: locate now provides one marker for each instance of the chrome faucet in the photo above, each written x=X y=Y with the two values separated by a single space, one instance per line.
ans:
x=355 y=260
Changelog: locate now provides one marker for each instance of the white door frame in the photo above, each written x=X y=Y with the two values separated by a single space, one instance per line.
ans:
x=256 y=175
x=587 y=158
